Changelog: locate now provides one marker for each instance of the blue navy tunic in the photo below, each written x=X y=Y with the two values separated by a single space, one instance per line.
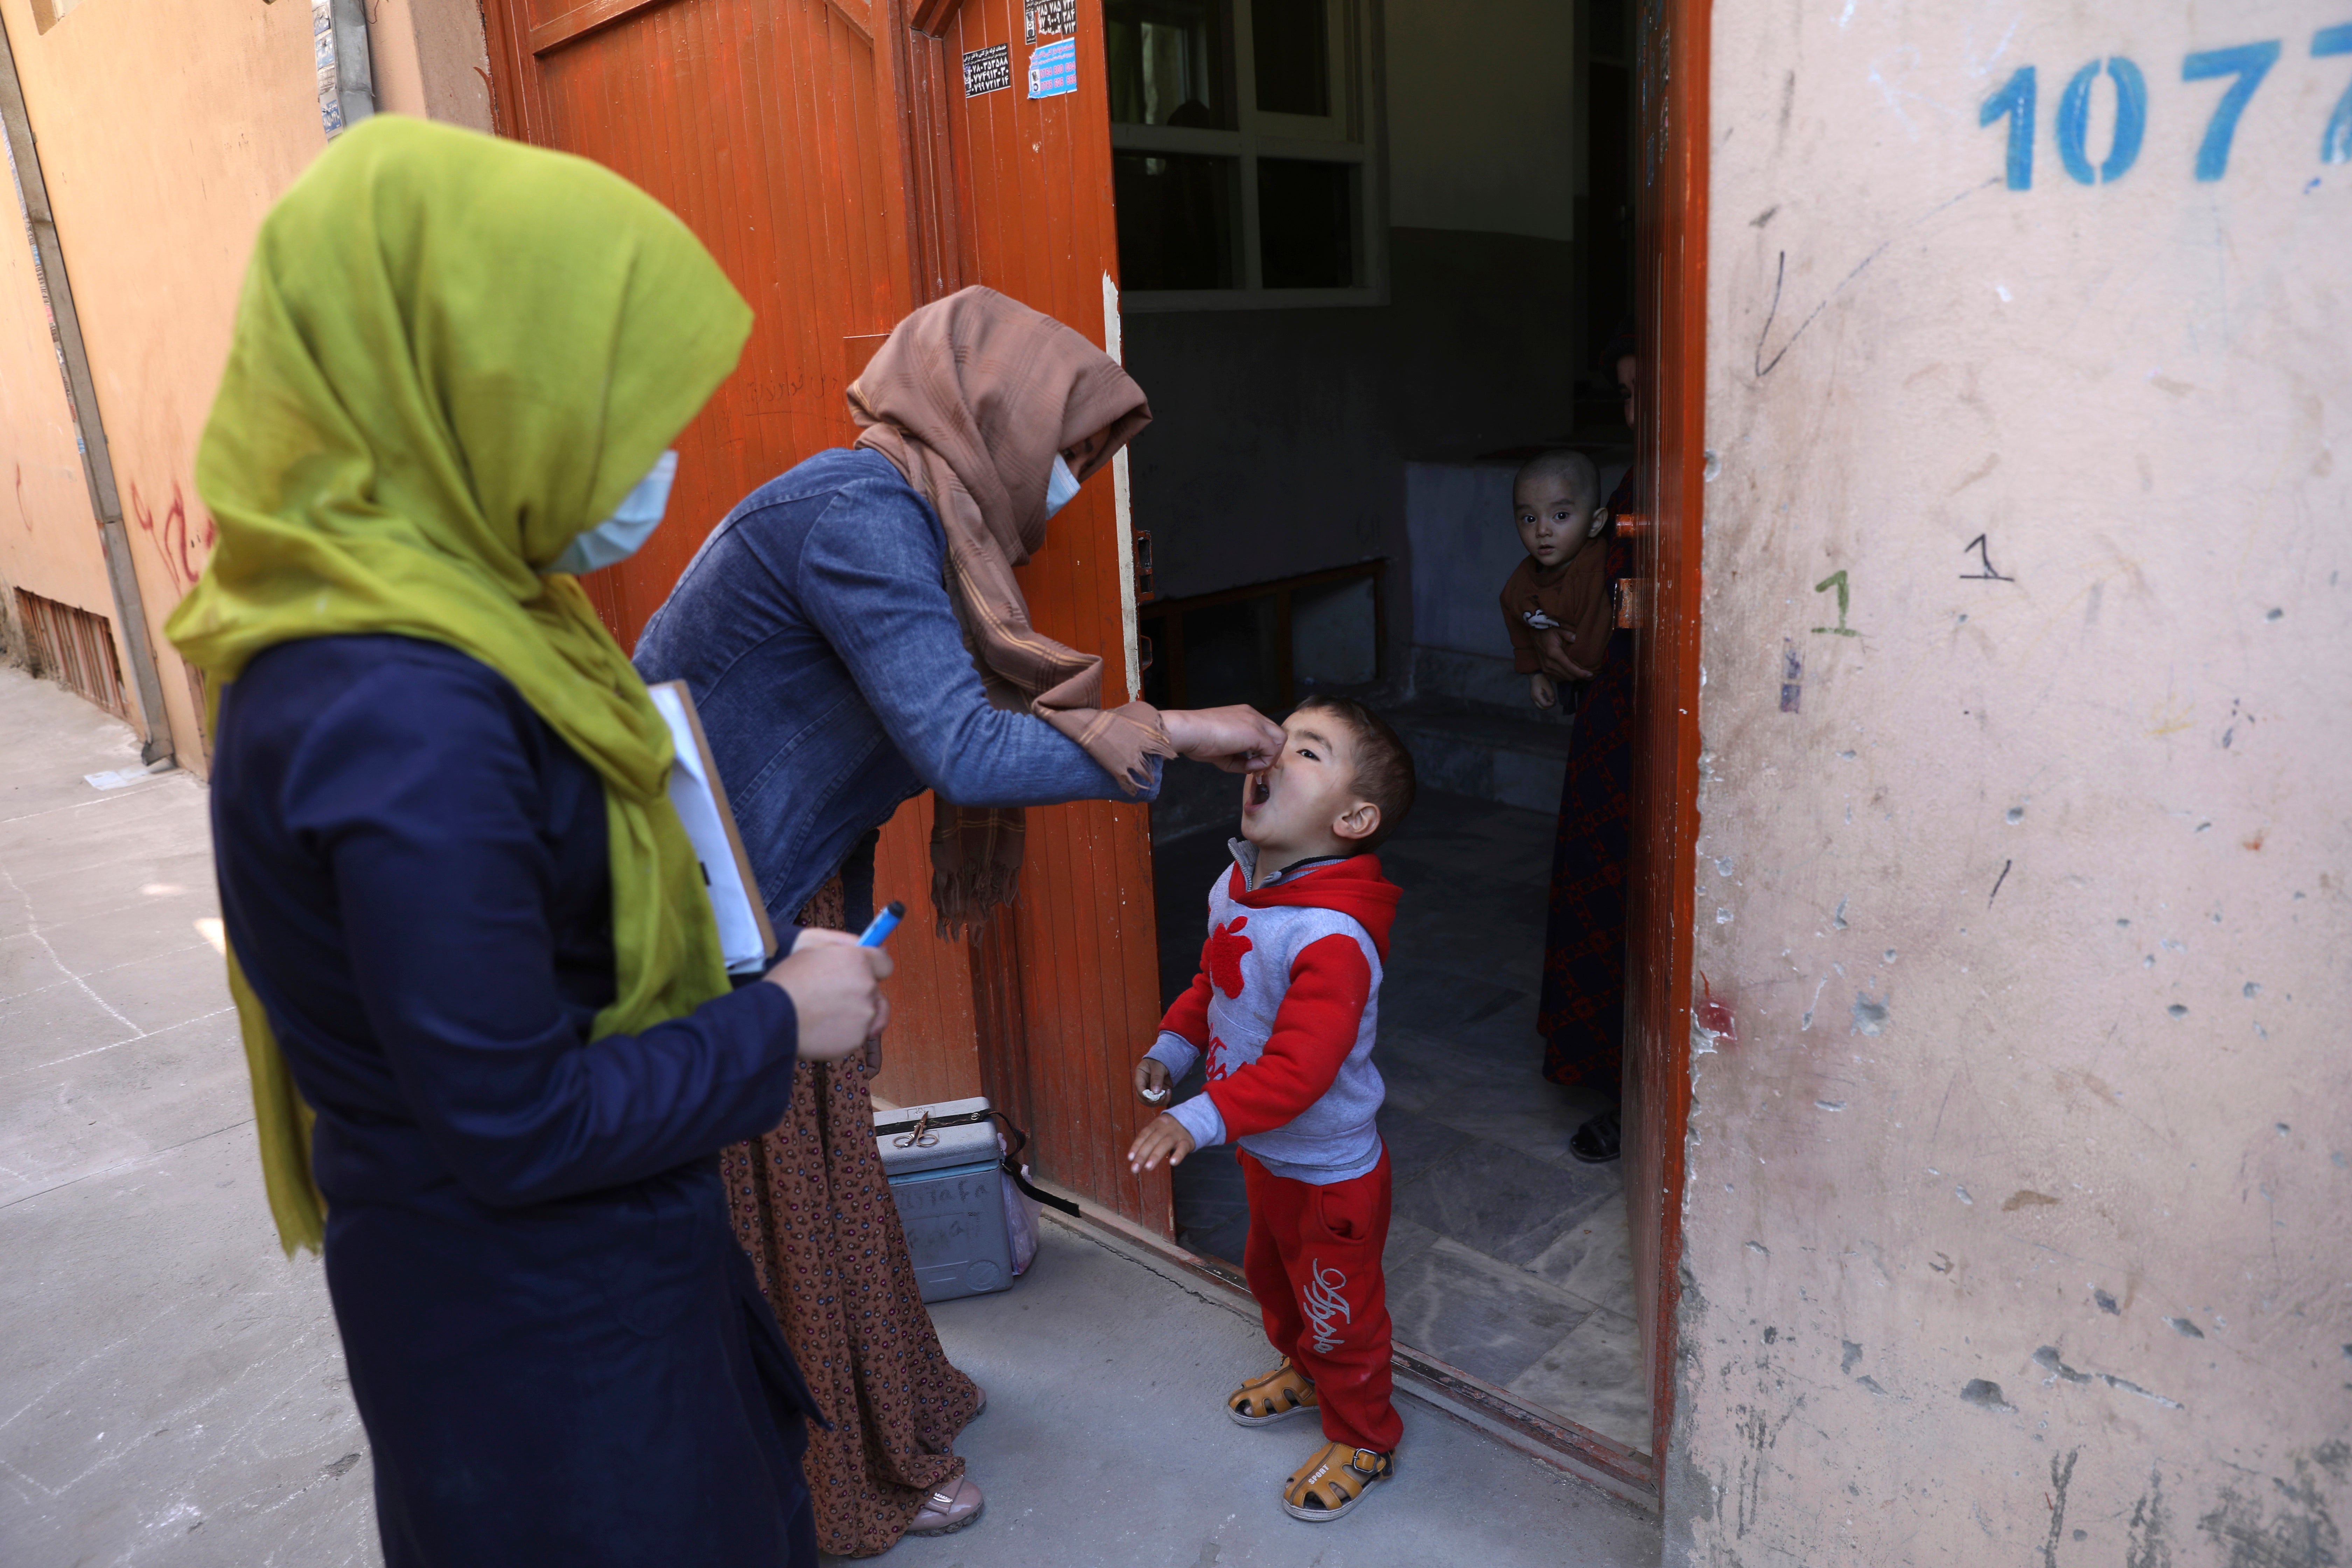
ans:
x=556 y=1344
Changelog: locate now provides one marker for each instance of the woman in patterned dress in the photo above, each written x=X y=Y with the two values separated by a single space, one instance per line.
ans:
x=853 y=633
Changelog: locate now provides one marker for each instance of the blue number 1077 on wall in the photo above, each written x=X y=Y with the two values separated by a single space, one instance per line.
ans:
x=2074 y=121
x=2248 y=64
x=2336 y=141
x=2014 y=102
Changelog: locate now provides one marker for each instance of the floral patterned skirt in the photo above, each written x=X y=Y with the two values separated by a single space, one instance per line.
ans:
x=814 y=1210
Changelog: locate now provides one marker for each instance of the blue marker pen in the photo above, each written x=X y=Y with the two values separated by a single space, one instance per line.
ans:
x=883 y=924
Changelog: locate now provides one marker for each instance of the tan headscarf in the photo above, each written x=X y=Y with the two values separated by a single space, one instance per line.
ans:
x=971 y=398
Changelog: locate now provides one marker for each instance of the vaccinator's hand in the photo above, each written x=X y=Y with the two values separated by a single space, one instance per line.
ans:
x=1238 y=739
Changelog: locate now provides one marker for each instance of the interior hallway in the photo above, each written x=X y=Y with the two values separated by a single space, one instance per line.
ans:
x=173 y=1385
x=1507 y=1257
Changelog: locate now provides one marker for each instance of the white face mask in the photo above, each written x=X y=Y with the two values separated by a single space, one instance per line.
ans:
x=625 y=532
x=1060 y=486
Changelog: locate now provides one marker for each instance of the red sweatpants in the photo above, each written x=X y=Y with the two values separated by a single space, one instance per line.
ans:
x=1314 y=1263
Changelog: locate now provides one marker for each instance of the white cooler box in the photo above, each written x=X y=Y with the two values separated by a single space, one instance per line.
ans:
x=942 y=1163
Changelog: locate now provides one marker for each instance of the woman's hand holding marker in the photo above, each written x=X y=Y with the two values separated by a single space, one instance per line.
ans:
x=836 y=991
x=878 y=930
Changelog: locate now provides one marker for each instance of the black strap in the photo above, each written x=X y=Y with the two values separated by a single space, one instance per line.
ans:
x=1015 y=1141
x=965 y=1120
x=922 y=1124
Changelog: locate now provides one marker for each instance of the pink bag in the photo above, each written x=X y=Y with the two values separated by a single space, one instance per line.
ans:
x=1020 y=1213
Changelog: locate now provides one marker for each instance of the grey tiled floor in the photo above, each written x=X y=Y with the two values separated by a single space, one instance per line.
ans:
x=1506 y=1257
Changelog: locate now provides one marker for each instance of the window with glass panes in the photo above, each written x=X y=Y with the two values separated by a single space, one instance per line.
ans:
x=1241 y=151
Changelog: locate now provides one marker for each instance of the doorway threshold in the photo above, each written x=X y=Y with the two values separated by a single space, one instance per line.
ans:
x=1571 y=1449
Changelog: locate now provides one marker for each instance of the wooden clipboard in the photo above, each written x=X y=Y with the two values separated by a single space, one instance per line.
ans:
x=746 y=935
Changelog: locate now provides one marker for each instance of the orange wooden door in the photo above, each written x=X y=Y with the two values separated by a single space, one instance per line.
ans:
x=828 y=154
x=1671 y=300
x=762 y=124
x=1070 y=982
x=776 y=130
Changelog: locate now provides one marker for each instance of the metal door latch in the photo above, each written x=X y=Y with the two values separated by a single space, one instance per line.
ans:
x=1632 y=603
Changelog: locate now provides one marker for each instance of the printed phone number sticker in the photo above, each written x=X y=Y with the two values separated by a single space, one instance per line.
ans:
x=988 y=71
x=1053 y=70
x=1048 y=16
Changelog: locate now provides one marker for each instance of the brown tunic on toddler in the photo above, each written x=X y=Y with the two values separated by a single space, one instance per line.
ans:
x=1560 y=616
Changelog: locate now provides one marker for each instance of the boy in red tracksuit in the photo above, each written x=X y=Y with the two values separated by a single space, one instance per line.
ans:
x=1284 y=1008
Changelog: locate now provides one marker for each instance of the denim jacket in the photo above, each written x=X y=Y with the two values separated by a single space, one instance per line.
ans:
x=815 y=631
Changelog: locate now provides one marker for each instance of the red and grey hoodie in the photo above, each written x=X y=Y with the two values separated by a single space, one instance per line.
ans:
x=1285 y=1007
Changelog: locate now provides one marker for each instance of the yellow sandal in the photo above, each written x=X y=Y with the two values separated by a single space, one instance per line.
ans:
x=1270 y=1397
x=1334 y=1481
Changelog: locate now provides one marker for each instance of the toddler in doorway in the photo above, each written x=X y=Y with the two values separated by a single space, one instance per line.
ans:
x=1285 y=1007
x=1555 y=605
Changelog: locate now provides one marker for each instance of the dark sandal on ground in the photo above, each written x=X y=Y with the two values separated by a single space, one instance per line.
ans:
x=1597 y=1141
x=948 y=1509
x=1271 y=1396
x=1334 y=1481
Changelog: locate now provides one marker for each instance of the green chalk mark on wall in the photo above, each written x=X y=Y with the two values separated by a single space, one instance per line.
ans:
x=1836 y=580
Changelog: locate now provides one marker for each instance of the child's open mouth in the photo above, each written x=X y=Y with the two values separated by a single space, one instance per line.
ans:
x=1261 y=788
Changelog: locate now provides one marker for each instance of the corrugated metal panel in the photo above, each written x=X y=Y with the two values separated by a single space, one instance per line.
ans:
x=78 y=647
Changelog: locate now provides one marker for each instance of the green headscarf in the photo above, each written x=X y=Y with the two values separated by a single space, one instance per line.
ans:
x=452 y=355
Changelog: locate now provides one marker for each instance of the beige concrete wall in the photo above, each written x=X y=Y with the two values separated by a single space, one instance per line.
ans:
x=430 y=61
x=2018 y=1222
x=165 y=132
x=49 y=535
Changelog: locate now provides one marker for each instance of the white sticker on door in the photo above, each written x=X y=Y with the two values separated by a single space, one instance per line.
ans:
x=987 y=70
x=1047 y=17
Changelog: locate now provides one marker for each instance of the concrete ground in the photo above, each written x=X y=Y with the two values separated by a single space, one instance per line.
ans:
x=1105 y=1442
x=172 y=1386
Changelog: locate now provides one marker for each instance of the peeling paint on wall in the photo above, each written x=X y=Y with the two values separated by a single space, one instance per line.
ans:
x=2028 y=526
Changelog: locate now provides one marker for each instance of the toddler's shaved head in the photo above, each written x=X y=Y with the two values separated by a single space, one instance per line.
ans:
x=1556 y=502
x=1571 y=470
